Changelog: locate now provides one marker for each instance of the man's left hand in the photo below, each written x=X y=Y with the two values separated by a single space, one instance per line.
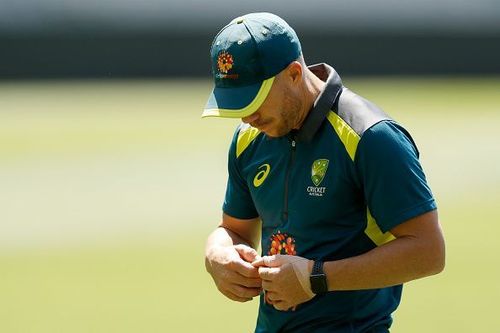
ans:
x=285 y=279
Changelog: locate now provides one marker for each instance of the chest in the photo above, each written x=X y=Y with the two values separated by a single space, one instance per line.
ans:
x=302 y=184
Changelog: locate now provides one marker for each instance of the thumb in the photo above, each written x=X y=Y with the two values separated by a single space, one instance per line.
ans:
x=270 y=261
x=246 y=252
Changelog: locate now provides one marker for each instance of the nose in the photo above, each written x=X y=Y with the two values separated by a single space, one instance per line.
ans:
x=250 y=118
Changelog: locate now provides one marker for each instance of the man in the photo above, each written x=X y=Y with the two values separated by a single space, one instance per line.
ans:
x=333 y=185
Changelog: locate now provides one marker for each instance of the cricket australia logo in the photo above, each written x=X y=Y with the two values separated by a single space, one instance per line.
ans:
x=318 y=172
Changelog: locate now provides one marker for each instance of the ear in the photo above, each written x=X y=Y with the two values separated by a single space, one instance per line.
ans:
x=294 y=72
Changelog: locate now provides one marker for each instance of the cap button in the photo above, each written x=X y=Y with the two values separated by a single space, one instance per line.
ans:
x=239 y=20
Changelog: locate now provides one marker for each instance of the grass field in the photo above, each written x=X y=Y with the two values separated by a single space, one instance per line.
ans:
x=109 y=189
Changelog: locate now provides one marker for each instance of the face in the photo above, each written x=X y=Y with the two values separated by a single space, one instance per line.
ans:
x=280 y=112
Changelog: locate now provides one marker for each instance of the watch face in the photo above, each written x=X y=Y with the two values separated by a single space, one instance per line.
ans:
x=318 y=284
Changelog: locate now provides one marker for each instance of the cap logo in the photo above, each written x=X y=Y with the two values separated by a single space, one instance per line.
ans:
x=225 y=62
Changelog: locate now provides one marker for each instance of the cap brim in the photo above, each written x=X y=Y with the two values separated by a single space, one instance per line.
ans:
x=237 y=102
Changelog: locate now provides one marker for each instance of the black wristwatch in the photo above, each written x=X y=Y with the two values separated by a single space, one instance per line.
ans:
x=319 y=284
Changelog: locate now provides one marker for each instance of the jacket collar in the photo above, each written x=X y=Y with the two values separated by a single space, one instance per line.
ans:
x=324 y=102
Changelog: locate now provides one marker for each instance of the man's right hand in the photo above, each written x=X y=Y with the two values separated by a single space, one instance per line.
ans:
x=232 y=271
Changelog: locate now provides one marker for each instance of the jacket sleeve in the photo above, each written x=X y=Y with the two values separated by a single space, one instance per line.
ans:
x=393 y=181
x=238 y=202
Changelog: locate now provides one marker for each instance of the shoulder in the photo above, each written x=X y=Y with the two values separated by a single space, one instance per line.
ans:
x=351 y=117
x=388 y=138
x=358 y=112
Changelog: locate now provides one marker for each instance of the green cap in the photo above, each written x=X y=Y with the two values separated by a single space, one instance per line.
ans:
x=246 y=56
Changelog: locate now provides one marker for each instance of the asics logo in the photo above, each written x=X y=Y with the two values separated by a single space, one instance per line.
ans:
x=261 y=175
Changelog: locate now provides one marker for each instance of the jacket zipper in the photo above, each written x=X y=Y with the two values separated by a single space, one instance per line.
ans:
x=293 y=145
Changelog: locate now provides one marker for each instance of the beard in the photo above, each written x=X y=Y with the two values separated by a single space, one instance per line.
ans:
x=290 y=115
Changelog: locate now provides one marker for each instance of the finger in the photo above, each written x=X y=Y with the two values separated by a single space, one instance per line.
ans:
x=246 y=269
x=266 y=298
x=238 y=291
x=269 y=274
x=281 y=306
x=270 y=261
x=268 y=286
x=245 y=292
x=234 y=297
x=250 y=282
x=273 y=296
x=246 y=252
x=258 y=262
x=233 y=277
x=265 y=261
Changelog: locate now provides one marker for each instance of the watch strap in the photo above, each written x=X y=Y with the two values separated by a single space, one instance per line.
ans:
x=317 y=267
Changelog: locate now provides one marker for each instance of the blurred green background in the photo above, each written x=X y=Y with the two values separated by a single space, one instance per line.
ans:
x=109 y=189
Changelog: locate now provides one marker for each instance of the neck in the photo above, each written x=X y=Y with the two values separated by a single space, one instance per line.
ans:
x=313 y=86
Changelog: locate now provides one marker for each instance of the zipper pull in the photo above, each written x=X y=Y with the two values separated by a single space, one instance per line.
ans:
x=293 y=144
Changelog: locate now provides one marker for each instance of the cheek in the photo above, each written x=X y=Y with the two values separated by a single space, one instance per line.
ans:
x=282 y=113
x=272 y=116
x=290 y=110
